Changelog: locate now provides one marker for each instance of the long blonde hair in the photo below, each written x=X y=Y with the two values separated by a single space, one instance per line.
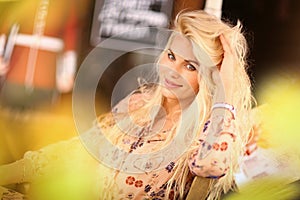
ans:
x=203 y=30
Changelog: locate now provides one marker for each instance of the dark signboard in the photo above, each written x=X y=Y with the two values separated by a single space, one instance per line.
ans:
x=126 y=20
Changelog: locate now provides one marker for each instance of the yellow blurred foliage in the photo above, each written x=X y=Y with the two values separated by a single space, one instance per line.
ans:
x=32 y=130
x=280 y=114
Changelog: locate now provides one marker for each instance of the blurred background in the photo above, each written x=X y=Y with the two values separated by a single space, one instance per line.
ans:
x=37 y=77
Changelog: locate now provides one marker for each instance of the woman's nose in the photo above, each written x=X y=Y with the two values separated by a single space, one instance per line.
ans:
x=174 y=72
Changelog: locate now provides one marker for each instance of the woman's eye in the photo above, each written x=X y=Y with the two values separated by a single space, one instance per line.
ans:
x=171 y=56
x=191 y=67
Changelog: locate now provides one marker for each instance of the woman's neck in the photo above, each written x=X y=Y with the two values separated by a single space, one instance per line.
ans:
x=169 y=114
x=171 y=106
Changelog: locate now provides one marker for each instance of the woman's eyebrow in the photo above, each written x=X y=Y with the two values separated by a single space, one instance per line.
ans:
x=192 y=61
x=186 y=60
x=171 y=51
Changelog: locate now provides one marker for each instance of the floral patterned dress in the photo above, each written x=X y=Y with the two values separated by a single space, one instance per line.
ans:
x=86 y=167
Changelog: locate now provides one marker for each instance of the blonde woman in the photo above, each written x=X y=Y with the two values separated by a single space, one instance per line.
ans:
x=193 y=123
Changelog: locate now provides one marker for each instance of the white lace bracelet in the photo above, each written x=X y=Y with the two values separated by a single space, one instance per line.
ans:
x=226 y=106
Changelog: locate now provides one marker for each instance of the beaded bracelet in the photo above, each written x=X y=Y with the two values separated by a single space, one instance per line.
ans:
x=226 y=106
x=233 y=136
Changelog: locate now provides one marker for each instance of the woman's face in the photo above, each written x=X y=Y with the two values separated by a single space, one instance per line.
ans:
x=178 y=70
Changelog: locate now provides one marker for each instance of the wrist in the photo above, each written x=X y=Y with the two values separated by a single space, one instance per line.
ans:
x=223 y=96
x=225 y=106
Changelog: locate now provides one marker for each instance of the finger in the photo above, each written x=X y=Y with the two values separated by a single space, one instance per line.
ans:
x=225 y=44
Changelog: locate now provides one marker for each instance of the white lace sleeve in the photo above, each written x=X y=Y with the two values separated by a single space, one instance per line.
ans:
x=51 y=157
x=64 y=170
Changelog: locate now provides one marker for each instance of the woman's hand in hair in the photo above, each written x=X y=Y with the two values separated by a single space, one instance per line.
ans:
x=224 y=77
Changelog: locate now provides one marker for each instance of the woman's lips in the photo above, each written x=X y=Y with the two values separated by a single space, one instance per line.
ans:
x=170 y=84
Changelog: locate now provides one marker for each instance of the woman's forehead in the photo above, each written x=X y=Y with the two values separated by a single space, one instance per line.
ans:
x=182 y=46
